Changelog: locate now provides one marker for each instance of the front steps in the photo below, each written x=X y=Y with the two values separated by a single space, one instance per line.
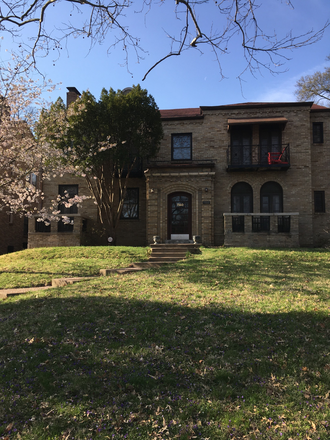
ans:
x=171 y=252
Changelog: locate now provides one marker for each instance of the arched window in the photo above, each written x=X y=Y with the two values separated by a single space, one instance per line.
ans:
x=241 y=198
x=271 y=197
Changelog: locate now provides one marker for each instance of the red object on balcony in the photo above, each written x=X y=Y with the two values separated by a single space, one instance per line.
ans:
x=277 y=158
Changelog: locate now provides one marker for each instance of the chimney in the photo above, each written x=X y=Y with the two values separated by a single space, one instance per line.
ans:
x=71 y=95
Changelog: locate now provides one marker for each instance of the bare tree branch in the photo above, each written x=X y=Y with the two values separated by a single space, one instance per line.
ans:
x=98 y=20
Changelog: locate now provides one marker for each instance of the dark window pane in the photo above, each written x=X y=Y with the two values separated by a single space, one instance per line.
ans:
x=65 y=227
x=270 y=139
x=283 y=223
x=261 y=224
x=181 y=146
x=238 y=223
x=271 y=197
x=41 y=226
x=319 y=201
x=318 y=132
x=131 y=204
x=67 y=192
x=241 y=198
x=241 y=146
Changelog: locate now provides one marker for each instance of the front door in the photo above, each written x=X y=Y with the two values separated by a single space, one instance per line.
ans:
x=179 y=216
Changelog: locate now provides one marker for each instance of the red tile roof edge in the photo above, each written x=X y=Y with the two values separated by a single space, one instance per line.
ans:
x=192 y=113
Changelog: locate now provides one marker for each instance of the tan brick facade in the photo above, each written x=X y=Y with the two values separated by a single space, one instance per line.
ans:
x=13 y=232
x=205 y=179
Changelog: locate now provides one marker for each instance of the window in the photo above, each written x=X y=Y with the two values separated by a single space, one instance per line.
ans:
x=131 y=204
x=65 y=227
x=261 y=223
x=283 y=223
x=238 y=223
x=319 y=201
x=271 y=197
x=41 y=226
x=241 y=198
x=241 y=142
x=317 y=132
x=270 y=139
x=32 y=178
x=67 y=192
x=182 y=146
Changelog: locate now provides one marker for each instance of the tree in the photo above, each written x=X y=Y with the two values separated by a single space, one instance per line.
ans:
x=24 y=161
x=235 y=21
x=315 y=87
x=21 y=157
x=103 y=141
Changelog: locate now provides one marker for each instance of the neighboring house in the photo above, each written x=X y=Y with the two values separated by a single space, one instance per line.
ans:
x=13 y=232
x=253 y=174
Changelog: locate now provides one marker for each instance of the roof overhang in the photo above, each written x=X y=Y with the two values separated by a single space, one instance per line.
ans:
x=251 y=121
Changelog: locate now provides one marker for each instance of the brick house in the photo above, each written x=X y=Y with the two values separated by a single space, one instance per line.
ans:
x=13 y=232
x=253 y=174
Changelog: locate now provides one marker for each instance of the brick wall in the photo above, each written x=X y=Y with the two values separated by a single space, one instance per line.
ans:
x=12 y=235
x=320 y=161
x=210 y=183
x=130 y=232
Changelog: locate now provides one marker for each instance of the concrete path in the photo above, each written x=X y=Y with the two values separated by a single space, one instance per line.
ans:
x=61 y=282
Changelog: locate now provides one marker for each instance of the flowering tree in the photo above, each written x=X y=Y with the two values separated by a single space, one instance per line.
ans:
x=103 y=141
x=24 y=161
x=21 y=157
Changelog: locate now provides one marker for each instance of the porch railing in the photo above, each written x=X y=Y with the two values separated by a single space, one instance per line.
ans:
x=261 y=229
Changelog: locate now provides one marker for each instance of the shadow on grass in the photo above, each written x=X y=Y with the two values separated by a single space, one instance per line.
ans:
x=111 y=367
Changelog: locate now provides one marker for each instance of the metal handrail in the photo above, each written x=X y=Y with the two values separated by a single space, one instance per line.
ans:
x=247 y=156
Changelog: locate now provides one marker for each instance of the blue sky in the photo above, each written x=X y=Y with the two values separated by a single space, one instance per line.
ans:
x=192 y=79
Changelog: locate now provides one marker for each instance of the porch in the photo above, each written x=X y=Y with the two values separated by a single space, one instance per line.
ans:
x=269 y=230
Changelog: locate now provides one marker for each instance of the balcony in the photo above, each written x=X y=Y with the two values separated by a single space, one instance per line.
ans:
x=262 y=229
x=258 y=157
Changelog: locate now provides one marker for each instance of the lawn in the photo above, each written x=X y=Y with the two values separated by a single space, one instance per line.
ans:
x=228 y=344
x=37 y=267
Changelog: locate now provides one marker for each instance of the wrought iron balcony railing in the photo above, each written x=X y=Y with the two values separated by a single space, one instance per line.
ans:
x=276 y=157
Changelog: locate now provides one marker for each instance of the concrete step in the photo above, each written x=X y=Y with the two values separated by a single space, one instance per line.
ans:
x=193 y=248
x=121 y=271
x=171 y=252
x=164 y=259
x=161 y=253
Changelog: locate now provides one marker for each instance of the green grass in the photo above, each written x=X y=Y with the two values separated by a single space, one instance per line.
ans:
x=229 y=344
x=37 y=267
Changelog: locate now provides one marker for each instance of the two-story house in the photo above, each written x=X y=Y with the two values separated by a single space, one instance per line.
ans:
x=253 y=174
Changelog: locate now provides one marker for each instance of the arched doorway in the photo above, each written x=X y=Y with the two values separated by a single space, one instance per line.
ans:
x=179 y=216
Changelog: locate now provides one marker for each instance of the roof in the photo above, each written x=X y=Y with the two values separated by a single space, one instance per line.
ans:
x=317 y=107
x=182 y=113
x=250 y=105
x=198 y=112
